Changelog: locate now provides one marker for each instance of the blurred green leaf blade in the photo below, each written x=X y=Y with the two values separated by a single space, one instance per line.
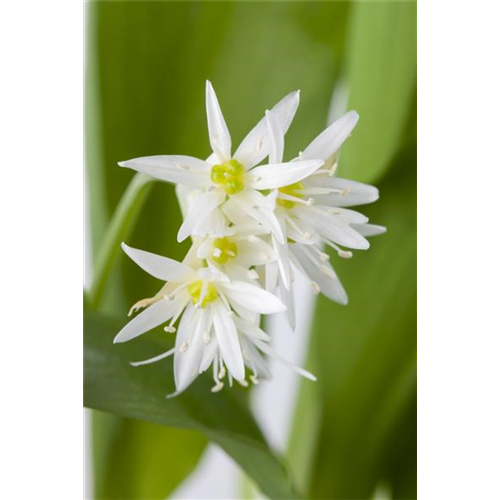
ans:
x=381 y=79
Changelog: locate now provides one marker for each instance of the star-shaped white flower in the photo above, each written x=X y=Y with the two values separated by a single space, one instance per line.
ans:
x=225 y=176
x=312 y=212
x=214 y=328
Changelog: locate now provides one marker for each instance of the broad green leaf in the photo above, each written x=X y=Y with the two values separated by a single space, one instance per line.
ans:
x=381 y=79
x=365 y=353
x=132 y=462
x=112 y=385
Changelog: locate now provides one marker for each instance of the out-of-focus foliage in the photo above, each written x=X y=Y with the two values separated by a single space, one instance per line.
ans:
x=381 y=62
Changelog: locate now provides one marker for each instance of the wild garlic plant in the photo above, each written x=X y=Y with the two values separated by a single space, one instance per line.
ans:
x=253 y=226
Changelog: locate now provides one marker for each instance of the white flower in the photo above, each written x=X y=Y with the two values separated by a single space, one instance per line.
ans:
x=312 y=212
x=224 y=175
x=217 y=319
x=238 y=252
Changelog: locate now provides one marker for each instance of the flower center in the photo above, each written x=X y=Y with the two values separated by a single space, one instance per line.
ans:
x=194 y=289
x=229 y=175
x=224 y=249
x=290 y=190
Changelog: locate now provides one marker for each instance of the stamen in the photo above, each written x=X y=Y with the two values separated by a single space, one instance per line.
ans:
x=206 y=337
x=222 y=371
x=345 y=254
x=252 y=274
x=345 y=191
x=170 y=296
x=170 y=329
x=254 y=379
x=315 y=288
x=243 y=383
x=218 y=387
x=332 y=171
x=184 y=347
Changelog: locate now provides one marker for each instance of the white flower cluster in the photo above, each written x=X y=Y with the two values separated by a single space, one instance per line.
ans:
x=252 y=226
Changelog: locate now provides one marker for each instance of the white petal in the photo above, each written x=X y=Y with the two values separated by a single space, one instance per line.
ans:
x=160 y=267
x=229 y=344
x=369 y=229
x=281 y=174
x=199 y=210
x=254 y=253
x=320 y=272
x=277 y=142
x=255 y=146
x=252 y=297
x=251 y=330
x=334 y=229
x=187 y=363
x=176 y=169
x=265 y=217
x=156 y=358
x=272 y=271
x=255 y=360
x=220 y=140
x=330 y=140
x=288 y=298
x=350 y=193
x=283 y=263
x=209 y=353
x=271 y=352
x=154 y=315
x=349 y=216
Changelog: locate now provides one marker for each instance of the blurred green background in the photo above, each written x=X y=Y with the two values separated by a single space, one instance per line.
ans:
x=146 y=66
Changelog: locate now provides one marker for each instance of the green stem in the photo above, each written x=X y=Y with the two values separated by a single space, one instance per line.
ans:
x=122 y=222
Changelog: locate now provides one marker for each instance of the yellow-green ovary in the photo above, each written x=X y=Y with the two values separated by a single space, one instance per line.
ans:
x=290 y=190
x=224 y=249
x=229 y=175
x=194 y=289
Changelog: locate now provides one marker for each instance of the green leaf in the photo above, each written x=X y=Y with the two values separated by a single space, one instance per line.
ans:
x=381 y=79
x=131 y=459
x=365 y=353
x=112 y=385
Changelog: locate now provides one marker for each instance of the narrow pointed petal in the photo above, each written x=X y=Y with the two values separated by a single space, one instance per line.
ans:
x=283 y=262
x=220 y=140
x=277 y=141
x=349 y=193
x=255 y=147
x=273 y=354
x=160 y=267
x=229 y=344
x=329 y=141
x=189 y=361
x=281 y=174
x=369 y=229
x=176 y=169
x=253 y=298
x=155 y=359
x=155 y=315
x=272 y=271
x=200 y=209
x=251 y=330
x=320 y=273
x=334 y=229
